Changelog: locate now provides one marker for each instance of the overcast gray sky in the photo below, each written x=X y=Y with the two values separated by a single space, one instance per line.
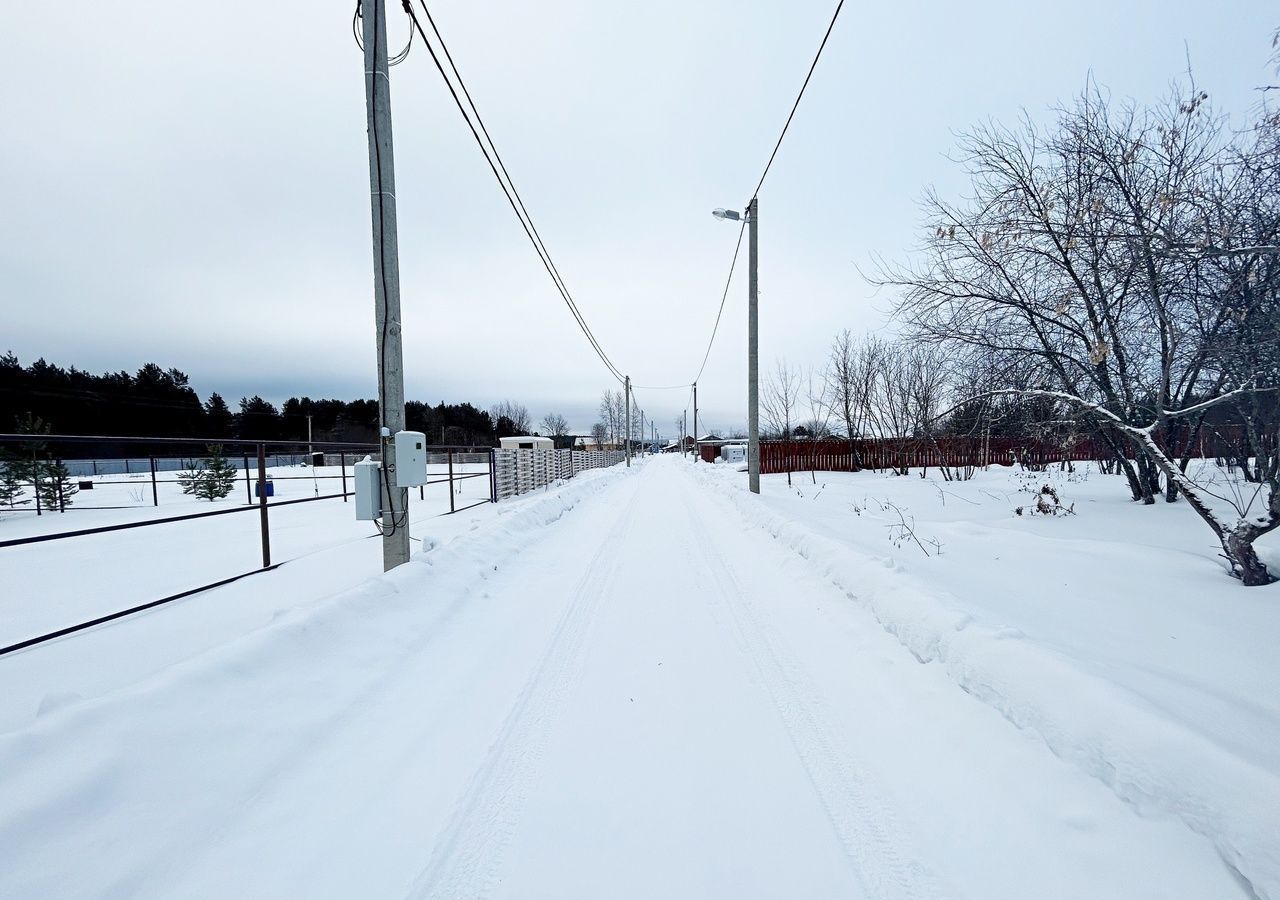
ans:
x=188 y=183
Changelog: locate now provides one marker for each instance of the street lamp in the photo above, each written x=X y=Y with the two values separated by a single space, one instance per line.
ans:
x=753 y=342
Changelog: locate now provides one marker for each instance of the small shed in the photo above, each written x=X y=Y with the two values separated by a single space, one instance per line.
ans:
x=527 y=442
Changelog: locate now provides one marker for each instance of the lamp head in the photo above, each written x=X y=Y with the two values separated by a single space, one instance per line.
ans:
x=731 y=214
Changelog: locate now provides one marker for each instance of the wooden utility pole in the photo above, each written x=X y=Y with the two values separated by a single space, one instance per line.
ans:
x=697 y=448
x=386 y=280
x=753 y=354
x=628 y=425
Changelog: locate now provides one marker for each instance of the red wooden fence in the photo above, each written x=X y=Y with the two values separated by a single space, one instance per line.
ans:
x=841 y=455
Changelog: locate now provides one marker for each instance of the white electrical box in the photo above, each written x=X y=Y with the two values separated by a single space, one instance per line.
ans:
x=368 y=490
x=411 y=459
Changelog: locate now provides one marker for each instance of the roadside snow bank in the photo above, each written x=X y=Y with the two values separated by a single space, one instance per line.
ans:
x=108 y=796
x=1155 y=763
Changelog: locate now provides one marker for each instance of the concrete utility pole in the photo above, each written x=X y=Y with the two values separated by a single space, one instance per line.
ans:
x=684 y=432
x=697 y=448
x=628 y=444
x=309 y=450
x=642 y=432
x=386 y=280
x=753 y=353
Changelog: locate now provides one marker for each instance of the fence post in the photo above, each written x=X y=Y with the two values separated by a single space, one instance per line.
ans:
x=62 y=500
x=451 y=481
x=342 y=461
x=155 y=496
x=493 y=476
x=35 y=480
x=248 y=489
x=262 y=505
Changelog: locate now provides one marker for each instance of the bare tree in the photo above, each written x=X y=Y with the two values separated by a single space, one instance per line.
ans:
x=818 y=421
x=600 y=434
x=1060 y=262
x=555 y=426
x=780 y=402
x=1123 y=268
x=841 y=362
x=780 y=399
x=613 y=415
x=515 y=413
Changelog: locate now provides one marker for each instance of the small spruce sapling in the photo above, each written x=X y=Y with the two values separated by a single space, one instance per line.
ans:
x=54 y=484
x=11 y=489
x=211 y=478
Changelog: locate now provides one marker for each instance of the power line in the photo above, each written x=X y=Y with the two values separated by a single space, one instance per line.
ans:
x=723 y=297
x=499 y=172
x=796 y=105
x=738 y=246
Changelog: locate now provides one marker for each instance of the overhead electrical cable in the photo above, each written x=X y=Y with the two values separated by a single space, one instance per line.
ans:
x=796 y=105
x=494 y=159
x=738 y=246
x=723 y=297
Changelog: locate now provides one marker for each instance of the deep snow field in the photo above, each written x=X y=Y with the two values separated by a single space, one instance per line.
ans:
x=55 y=584
x=652 y=683
x=58 y=583
x=1113 y=633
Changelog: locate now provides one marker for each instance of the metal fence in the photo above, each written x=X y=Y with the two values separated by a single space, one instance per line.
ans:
x=140 y=481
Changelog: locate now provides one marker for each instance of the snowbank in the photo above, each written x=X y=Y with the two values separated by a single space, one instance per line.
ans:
x=108 y=795
x=1153 y=761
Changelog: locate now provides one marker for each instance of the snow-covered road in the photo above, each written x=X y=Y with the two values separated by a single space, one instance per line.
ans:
x=619 y=690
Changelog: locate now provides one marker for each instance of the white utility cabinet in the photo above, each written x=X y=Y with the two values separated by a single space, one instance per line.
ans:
x=368 y=490
x=411 y=458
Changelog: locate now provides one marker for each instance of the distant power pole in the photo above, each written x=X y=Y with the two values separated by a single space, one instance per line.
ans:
x=697 y=449
x=386 y=280
x=628 y=445
x=642 y=432
x=753 y=354
x=684 y=433
x=311 y=459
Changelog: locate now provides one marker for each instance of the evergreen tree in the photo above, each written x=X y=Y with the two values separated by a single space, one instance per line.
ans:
x=217 y=417
x=209 y=479
x=54 y=485
x=220 y=476
x=257 y=420
x=11 y=488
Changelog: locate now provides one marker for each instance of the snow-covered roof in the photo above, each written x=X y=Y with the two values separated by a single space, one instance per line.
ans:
x=515 y=440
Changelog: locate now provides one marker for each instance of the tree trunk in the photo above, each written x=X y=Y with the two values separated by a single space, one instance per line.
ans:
x=1243 y=558
x=1148 y=479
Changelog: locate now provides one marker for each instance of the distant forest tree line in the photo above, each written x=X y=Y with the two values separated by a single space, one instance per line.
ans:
x=158 y=402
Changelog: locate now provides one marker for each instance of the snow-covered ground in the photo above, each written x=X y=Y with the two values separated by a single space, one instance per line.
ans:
x=55 y=584
x=651 y=683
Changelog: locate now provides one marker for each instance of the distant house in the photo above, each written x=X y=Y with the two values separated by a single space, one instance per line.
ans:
x=586 y=442
x=527 y=442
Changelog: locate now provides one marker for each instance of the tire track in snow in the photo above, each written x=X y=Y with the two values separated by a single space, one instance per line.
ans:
x=467 y=857
x=879 y=850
